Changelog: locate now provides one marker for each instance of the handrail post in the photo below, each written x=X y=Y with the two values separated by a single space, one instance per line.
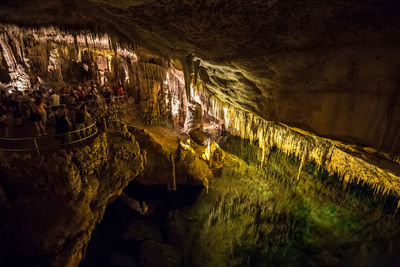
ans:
x=36 y=146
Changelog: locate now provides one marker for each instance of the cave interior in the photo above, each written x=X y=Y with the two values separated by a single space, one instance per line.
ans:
x=199 y=133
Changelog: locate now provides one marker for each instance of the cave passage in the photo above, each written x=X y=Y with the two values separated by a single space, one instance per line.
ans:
x=117 y=154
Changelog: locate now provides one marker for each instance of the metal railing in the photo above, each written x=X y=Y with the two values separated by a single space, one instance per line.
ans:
x=100 y=100
x=65 y=140
x=31 y=144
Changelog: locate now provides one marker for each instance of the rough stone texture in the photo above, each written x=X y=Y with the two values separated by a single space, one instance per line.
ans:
x=63 y=59
x=330 y=67
x=326 y=67
x=158 y=147
x=56 y=201
x=217 y=159
x=195 y=123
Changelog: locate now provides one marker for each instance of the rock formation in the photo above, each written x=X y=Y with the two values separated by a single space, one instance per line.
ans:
x=55 y=201
x=182 y=91
x=327 y=67
x=317 y=80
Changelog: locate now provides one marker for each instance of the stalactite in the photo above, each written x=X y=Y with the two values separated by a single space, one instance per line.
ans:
x=187 y=63
x=327 y=154
x=302 y=162
x=333 y=156
x=196 y=72
x=33 y=48
x=17 y=72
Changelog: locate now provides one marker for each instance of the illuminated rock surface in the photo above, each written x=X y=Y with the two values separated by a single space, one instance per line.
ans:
x=327 y=67
x=58 y=56
x=312 y=87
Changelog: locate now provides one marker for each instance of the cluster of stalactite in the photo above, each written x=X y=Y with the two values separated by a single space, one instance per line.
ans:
x=151 y=79
x=61 y=58
x=55 y=56
x=345 y=161
x=171 y=91
x=12 y=63
x=177 y=102
x=337 y=158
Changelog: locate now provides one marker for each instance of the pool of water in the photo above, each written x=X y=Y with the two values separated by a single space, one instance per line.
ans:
x=251 y=216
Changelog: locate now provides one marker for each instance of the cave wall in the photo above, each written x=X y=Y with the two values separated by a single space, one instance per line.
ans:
x=342 y=95
x=57 y=58
x=54 y=202
x=170 y=90
x=329 y=67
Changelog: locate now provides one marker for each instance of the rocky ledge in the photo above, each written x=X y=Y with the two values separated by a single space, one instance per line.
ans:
x=51 y=204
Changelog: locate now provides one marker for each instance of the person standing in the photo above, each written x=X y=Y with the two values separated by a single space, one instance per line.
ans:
x=54 y=99
x=63 y=125
x=72 y=98
x=36 y=118
x=43 y=113
x=3 y=99
x=107 y=95
x=81 y=93
x=3 y=121
x=80 y=121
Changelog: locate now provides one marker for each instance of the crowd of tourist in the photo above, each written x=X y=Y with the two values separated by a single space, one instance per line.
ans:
x=68 y=109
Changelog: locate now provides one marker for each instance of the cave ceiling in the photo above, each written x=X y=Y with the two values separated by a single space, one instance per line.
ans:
x=329 y=67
